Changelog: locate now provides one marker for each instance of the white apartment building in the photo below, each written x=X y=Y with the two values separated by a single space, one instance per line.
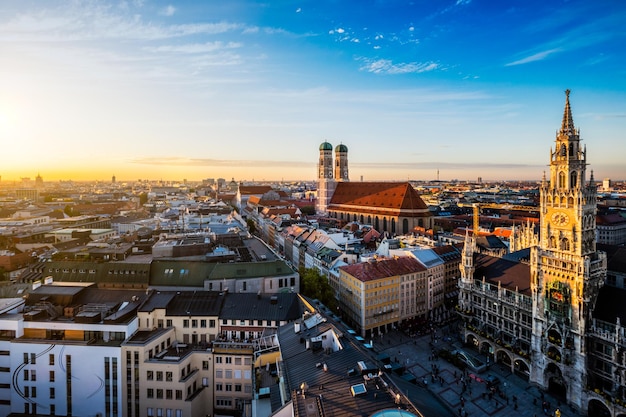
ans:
x=45 y=349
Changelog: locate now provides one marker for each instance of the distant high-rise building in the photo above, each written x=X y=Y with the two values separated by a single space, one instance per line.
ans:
x=38 y=181
x=31 y=194
x=113 y=179
x=606 y=184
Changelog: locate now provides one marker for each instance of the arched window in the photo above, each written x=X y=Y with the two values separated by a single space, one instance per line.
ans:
x=405 y=226
x=384 y=223
x=376 y=224
x=564 y=244
x=562 y=179
x=552 y=242
x=563 y=150
x=362 y=219
x=393 y=226
x=571 y=149
x=572 y=179
x=369 y=219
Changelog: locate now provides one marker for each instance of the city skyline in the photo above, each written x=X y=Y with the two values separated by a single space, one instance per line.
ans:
x=248 y=90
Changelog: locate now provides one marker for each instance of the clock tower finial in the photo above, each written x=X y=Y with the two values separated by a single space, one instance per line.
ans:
x=567 y=125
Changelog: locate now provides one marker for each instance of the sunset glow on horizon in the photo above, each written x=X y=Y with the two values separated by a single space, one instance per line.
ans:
x=248 y=90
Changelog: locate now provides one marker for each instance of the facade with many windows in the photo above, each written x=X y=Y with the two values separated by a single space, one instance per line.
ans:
x=377 y=295
x=164 y=378
x=74 y=349
x=64 y=348
x=549 y=318
x=233 y=375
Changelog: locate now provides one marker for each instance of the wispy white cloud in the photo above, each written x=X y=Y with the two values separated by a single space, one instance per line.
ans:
x=251 y=30
x=195 y=48
x=539 y=56
x=337 y=31
x=387 y=66
x=168 y=11
x=573 y=34
x=95 y=21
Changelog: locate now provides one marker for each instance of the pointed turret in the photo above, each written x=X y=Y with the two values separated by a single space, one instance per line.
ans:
x=567 y=125
x=467 y=257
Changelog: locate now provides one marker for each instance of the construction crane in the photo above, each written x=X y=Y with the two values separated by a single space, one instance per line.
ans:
x=478 y=206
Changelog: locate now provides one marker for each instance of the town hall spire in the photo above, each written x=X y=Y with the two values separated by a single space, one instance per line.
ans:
x=567 y=125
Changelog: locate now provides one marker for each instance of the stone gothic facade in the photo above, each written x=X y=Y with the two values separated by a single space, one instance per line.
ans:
x=542 y=317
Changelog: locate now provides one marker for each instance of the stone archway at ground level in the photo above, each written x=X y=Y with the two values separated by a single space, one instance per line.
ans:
x=486 y=348
x=472 y=340
x=555 y=382
x=521 y=368
x=596 y=408
x=503 y=357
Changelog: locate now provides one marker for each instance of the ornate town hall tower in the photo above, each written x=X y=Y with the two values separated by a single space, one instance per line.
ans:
x=566 y=272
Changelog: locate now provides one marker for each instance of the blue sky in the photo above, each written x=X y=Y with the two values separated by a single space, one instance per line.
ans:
x=245 y=89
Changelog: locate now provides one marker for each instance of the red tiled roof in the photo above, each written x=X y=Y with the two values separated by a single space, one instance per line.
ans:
x=446 y=250
x=302 y=203
x=254 y=189
x=226 y=196
x=354 y=196
x=253 y=199
x=383 y=268
x=500 y=232
x=278 y=211
x=371 y=235
x=274 y=203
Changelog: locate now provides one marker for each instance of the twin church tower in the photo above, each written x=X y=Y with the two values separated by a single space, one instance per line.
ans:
x=329 y=174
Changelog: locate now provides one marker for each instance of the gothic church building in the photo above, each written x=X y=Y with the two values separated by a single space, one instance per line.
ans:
x=391 y=207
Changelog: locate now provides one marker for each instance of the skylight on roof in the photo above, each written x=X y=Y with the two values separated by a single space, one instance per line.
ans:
x=358 y=389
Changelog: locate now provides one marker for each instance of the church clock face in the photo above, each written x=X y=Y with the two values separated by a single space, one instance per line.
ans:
x=560 y=219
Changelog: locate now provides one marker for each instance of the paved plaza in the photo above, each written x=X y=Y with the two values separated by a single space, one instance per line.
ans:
x=465 y=393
